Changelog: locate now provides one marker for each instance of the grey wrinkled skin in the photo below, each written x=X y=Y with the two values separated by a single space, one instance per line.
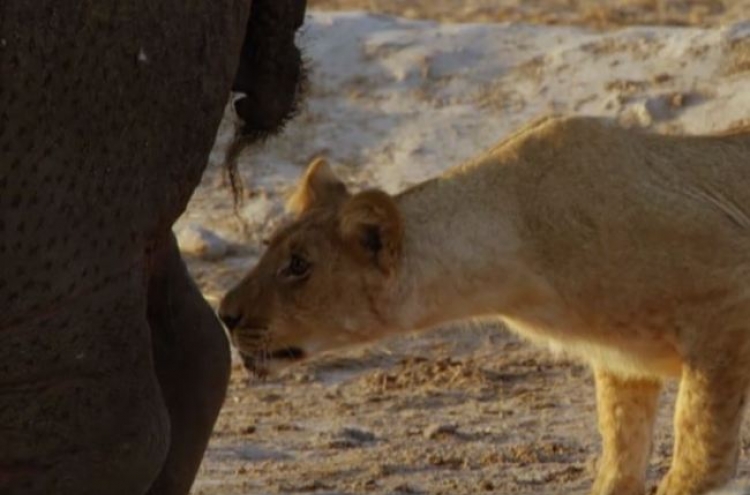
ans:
x=112 y=366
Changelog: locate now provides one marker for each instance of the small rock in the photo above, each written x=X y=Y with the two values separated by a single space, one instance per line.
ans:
x=370 y=484
x=348 y=438
x=487 y=485
x=341 y=443
x=271 y=397
x=310 y=486
x=440 y=461
x=357 y=434
x=660 y=107
x=384 y=470
x=405 y=488
x=249 y=430
x=257 y=209
x=438 y=430
x=286 y=427
x=260 y=208
x=677 y=100
x=662 y=78
x=641 y=113
x=201 y=242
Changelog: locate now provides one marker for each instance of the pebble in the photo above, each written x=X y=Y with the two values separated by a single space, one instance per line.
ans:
x=347 y=438
x=357 y=434
x=261 y=208
x=249 y=430
x=437 y=430
x=639 y=114
x=657 y=108
x=201 y=242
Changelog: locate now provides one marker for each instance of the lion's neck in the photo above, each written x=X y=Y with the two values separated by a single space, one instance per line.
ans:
x=463 y=255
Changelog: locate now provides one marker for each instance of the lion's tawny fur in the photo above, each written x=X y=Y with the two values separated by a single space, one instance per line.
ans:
x=628 y=249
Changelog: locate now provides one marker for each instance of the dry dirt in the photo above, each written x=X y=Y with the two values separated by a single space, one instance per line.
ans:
x=598 y=13
x=460 y=410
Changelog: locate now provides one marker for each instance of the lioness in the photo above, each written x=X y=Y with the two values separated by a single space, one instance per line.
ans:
x=628 y=249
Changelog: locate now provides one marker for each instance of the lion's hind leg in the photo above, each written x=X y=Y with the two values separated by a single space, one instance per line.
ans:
x=707 y=420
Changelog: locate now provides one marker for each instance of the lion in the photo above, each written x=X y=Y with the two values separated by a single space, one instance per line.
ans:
x=625 y=248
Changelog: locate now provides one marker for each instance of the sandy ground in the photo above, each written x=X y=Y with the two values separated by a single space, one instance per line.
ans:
x=466 y=409
x=598 y=13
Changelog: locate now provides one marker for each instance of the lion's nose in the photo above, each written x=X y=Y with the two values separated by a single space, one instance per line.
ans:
x=230 y=314
x=230 y=320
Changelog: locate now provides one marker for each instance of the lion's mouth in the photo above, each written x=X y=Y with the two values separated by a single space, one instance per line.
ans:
x=288 y=354
x=258 y=363
x=259 y=354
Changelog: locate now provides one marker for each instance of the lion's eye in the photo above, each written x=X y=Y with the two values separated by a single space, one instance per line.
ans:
x=298 y=267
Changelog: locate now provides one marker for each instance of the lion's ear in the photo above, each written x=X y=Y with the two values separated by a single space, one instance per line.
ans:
x=372 y=224
x=318 y=187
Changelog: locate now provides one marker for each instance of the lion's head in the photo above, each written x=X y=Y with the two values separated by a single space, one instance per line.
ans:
x=323 y=279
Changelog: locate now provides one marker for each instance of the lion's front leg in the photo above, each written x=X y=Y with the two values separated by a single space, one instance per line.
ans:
x=626 y=409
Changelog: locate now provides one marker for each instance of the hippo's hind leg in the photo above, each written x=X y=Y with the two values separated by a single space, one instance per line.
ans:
x=192 y=361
